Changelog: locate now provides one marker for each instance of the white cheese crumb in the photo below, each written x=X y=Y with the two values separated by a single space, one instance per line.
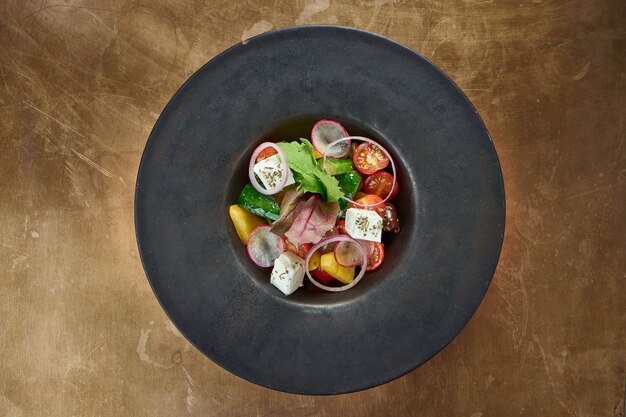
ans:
x=270 y=173
x=288 y=273
x=364 y=224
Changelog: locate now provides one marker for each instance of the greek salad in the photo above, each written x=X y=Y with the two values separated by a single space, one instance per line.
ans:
x=318 y=208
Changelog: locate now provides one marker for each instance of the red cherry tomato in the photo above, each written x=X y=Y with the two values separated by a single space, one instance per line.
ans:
x=341 y=227
x=266 y=153
x=371 y=202
x=380 y=184
x=322 y=276
x=377 y=257
x=369 y=158
x=304 y=249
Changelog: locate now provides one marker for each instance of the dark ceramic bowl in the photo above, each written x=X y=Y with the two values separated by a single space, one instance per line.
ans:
x=436 y=270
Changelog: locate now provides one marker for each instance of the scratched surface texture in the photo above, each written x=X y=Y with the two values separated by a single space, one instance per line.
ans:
x=81 y=85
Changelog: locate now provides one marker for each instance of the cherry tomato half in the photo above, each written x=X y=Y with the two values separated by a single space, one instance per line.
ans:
x=377 y=257
x=322 y=276
x=370 y=201
x=266 y=153
x=380 y=184
x=369 y=158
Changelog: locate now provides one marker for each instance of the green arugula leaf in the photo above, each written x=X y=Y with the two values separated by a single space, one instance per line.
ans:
x=308 y=172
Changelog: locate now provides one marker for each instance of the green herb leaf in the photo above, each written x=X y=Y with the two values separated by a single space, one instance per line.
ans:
x=307 y=171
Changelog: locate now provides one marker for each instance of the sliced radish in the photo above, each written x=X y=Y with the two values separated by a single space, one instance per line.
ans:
x=284 y=169
x=348 y=254
x=325 y=132
x=264 y=247
x=324 y=242
x=368 y=246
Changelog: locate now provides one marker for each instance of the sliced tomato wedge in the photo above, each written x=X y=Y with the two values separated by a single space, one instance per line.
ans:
x=377 y=257
x=371 y=202
x=322 y=276
x=368 y=158
x=266 y=153
x=380 y=184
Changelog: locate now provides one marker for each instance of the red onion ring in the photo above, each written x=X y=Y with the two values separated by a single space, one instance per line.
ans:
x=393 y=166
x=331 y=239
x=284 y=166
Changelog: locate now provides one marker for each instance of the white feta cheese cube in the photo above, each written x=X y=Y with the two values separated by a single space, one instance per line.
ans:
x=269 y=172
x=288 y=273
x=364 y=224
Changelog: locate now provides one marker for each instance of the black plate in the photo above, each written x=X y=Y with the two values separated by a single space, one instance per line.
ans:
x=436 y=271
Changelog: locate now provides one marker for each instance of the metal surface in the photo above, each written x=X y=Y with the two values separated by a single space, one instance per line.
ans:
x=81 y=86
x=436 y=270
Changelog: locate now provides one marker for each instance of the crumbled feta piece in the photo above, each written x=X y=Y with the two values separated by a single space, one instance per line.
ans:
x=270 y=173
x=364 y=224
x=288 y=273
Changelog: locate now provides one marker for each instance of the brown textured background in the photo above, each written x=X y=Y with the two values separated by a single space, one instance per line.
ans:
x=81 y=85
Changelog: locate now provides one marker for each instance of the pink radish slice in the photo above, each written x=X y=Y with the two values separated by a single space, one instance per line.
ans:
x=347 y=140
x=348 y=254
x=284 y=167
x=368 y=246
x=325 y=132
x=264 y=246
x=324 y=242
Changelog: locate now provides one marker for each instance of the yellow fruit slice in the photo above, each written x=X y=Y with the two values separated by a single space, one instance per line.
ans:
x=314 y=262
x=244 y=222
x=340 y=273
